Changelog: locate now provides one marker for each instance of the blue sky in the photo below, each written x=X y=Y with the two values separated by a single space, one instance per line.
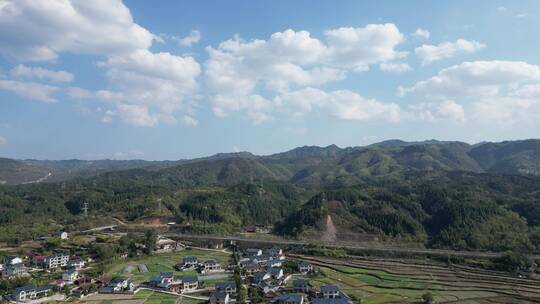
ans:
x=180 y=79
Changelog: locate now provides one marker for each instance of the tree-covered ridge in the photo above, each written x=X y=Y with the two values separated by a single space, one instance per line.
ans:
x=429 y=192
x=308 y=165
x=458 y=210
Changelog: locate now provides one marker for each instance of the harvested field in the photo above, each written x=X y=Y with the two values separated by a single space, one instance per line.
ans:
x=404 y=281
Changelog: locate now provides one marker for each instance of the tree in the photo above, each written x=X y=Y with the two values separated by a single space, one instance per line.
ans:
x=513 y=262
x=428 y=298
x=150 y=239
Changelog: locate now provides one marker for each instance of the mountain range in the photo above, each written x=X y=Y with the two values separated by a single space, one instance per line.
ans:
x=307 y=165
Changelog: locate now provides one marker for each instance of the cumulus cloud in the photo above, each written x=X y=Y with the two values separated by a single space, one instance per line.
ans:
x=146 y=88
x=291 y=60
x=395 y=67
x=30 y=90
x=88 y=27
x=342 y=104
x=421 y=33
x=22 y=71
x=3 y=140
x=191 y=39
x=501 y=92
x=431 y=53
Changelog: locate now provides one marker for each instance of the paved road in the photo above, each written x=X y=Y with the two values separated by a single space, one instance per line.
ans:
x=389 y=249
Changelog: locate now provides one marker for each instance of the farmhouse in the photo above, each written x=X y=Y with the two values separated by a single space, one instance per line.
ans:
x=253 y=252
x=164 y=245
x=190 y=261
x=305 y=267
x=14 y=270
x=330 y=292
x=301 y=286
x=76 y=263
x=164 y=280
x=219 y=297
x=70 y=275
x=210 y=266
x=260 y=276
x=12 y=260
x=191 y=283
x=228 y=287
x=289 y=299
x=118 y=285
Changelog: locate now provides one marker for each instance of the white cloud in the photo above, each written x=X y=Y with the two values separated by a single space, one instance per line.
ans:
x=136 y=115
x=344 y=105
x=79 y=93
x=430 y=53
x=3 y=140
x=89 y=27
x=501 y=9
x=291 y=60
x=191 y=39
x=395 y=67
x=421 y=33
x=22 y=71
x=146 y=88
x=190 y=121
x=30 y=90
x=502 y=93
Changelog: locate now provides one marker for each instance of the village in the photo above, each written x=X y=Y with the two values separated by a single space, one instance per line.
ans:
x=234 y=275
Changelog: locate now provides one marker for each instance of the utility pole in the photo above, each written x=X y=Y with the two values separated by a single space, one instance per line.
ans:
x=85 y=209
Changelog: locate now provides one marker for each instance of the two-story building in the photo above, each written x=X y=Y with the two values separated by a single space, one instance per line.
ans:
x=30 y=292
x=210 y=266
x=56 y=260
x=330 y=292
x=305 y=267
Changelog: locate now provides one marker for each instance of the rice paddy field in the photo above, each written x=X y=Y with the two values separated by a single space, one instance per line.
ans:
x=396 y=281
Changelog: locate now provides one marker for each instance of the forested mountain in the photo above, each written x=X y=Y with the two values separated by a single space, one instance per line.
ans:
x=311 y=164
x=444 y=194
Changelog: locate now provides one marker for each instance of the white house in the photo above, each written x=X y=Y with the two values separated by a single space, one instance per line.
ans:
x=56 y=260
x=305 y=267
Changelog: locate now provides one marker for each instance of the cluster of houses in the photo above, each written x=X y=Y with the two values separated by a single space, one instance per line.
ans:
x=205 y=267
x=263 y=269
x=14 y=267
x=304 y=292
x=170 y=282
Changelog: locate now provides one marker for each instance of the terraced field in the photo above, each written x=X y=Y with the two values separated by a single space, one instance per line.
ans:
x=398 y=281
